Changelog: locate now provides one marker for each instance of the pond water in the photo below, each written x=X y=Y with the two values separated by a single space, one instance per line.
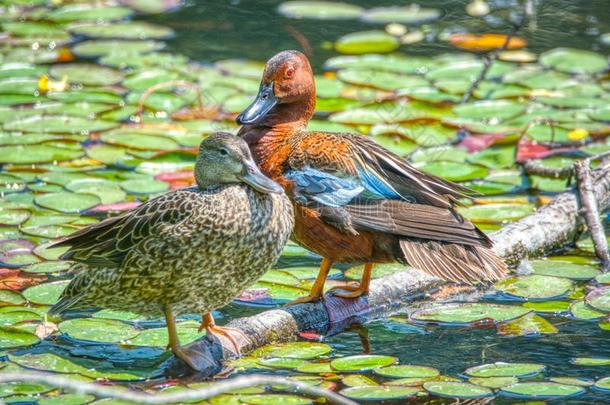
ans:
x=60 y=174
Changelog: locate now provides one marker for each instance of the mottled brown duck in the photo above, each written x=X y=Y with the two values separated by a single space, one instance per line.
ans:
x=188 y=251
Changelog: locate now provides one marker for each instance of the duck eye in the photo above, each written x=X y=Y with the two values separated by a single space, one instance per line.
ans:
x=289 y=72
x=223 y=152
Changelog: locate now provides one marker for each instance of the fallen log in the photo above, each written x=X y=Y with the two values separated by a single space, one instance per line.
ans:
x=551 y=227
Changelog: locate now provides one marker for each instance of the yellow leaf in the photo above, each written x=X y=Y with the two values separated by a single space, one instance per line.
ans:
x=578 y=134
x=485 y=42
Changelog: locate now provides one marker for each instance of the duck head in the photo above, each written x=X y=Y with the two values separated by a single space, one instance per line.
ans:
x=287 y=92
x=225 y=159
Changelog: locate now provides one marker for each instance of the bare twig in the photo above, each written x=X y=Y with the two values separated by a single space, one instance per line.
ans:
x=534 y=167
x=159 y=86
x=590 y=211
x=215 y=389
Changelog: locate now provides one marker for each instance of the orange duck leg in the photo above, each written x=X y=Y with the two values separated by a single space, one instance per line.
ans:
x=317 y=290
x=357 y=289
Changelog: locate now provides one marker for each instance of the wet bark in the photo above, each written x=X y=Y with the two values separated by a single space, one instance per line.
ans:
x=551 y=227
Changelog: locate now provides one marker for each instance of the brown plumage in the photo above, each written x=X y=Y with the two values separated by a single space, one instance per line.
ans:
x=354 y=200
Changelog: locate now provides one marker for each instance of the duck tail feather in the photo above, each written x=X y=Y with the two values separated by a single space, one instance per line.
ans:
x=454 y=262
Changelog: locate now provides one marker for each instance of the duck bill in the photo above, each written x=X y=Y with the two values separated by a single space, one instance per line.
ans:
x=257 y=180
x=264 y=102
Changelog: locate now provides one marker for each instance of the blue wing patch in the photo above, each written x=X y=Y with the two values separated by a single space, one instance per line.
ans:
x=323 y=188
x=375 y=185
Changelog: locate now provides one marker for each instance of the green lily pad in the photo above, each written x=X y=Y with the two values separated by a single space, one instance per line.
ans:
x=87 y=74
x=591 y=361
x=528 y=325
x=599 y=299
x=361 y=362
x=274 y=399
x=315 y=368
x=187 y=333
x=320 y=10
x=45 y=294
x=12 y=337
x=577 y=61
x=497 y=213
x=380 y=270
x=534 y=287
x=451 y=389
x=27 y=154
x=490 y=110
x=19 y=388
x=549 y=307
x=501 y=369
x=133 y=139
x=282 y=362
x=83 y=12
x=569 y=270
x=67 y=399
x=11 y=297
x=602 y=384
x=542 y=390
x=601 y=114
x=144 y=186
x=603 y=278
x=123 y=30
x=468 y=313
x=382 y=80
x=98 y=330
x=358 y=380
x=412 y=14
x=297 y=350
x=58 y=124
x=454 y=171
x=48 y=267
x=580 y=382
x=366 y=42
x=580 y=310
x=407 y=371
x=379 y=393
x=103 y=47
x=67 y=202
x=493 y=382
x=14 y=217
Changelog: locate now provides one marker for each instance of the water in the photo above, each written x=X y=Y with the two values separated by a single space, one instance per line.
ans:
x=208 y=31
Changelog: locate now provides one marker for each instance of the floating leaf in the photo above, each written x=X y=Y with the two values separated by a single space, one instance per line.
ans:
x=501 y=369
x=87 y=74
x=297 y=350
x=123 y=30
x=320 y=10
x=27 y=154
x=358 y=380
x=103 y=47
x=577 y=61
x=542 y=390
x=58 y=124
x=602 y=384
x=591 y=361
x=412 y=14
x=493 y=382
x=81 y=12
x=599 y=299
x=283 y=362
x=452 y=389
x=98 y=330
x=380 y=270
x=45 y=294
x=144 y=186
x=468 y=313
x=361 y=362
x=528 y=325
x=580 y=310
x=366 y=42
x=534 y=287
x=379 y=393
x=407 y=371
x=275 y=399
x=496 y=213
x=454 y=171
x=67 y=202
x=315 y=368
x=565 y=269
x=490 y=110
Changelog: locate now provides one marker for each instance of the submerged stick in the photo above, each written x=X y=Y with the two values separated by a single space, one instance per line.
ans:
x=549 y=228
x=590 y=211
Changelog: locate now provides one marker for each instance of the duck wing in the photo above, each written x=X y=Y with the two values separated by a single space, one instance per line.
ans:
x=107 y=243
x=383 y=171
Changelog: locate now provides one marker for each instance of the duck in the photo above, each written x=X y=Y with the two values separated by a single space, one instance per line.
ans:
x=191 y=250
x=355 y=201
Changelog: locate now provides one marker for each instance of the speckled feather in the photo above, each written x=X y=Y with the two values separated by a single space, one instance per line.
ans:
x=192 y=249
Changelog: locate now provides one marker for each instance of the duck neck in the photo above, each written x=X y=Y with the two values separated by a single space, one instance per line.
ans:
x=269 y=139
